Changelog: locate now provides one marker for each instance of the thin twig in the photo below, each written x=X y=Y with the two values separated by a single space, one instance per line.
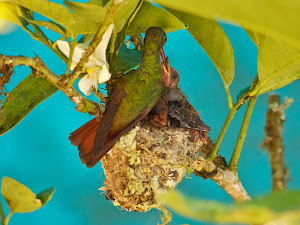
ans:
x=232 y=110
x=233 y=164
x=40 y=69
x=273 y=142
x=229 y=118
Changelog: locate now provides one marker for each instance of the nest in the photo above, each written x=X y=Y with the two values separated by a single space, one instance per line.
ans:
x=147 y=162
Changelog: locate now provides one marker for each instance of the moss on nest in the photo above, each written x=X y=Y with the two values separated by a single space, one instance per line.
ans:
x=148 y=162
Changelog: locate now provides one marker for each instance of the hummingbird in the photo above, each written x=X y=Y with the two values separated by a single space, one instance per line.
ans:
x=135 y=94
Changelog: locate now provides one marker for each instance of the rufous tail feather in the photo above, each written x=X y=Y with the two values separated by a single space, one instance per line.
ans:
x=84 y=138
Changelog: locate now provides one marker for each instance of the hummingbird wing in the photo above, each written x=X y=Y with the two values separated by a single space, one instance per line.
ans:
x=105 y=139
x=84 y=138
x=187 y=116
x=107 y=120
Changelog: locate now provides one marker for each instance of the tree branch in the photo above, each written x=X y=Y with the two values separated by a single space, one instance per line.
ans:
x=40 y=69
x=218 y=171
x=273 y=142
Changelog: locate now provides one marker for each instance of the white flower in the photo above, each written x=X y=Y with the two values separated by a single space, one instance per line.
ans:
x=97 y=68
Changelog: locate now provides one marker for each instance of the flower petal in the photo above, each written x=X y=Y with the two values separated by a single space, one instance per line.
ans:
x=101 y=48
x=98 y=63
x=104 y=74
x=65 y=49
x=86 y=84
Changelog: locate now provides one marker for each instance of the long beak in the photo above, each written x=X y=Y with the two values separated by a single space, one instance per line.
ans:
x=166 y=69
x=163 y=55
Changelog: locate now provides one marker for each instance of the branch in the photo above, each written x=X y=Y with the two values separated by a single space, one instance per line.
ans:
x=231 y=183
x=218 y=172
x=229 y=118
x=40 y=69
x=232 y=110
x=275 y=118
x=233 y=164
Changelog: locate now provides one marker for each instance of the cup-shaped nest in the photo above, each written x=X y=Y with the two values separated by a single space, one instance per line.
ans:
x=147 y=162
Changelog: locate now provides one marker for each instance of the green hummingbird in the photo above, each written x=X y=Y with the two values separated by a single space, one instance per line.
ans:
x=134 y=96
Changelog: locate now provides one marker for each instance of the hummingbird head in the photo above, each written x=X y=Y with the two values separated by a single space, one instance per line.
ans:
x=156 y=35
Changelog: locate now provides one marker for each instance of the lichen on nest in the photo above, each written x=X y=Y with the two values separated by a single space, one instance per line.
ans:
x=148 y=162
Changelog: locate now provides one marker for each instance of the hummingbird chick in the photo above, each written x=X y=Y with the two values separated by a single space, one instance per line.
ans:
x=173 y=109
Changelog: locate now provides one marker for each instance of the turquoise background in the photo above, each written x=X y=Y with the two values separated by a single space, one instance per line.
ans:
x=37 y=151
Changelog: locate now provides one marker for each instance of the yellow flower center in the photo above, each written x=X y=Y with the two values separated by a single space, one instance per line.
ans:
x=92 y=70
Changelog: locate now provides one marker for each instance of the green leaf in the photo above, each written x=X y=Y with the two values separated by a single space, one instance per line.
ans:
x=210 y=35
x=46 y=195
x=125 y=10
x=84 y=26
x=50 y=25
x=51 y=10
x=257 y=211
x=278 y=82
x=22 y=99
x=289 y=200
x=149 y=16
x=88 y=17
x=276 y=18
x=127 y=59
x=19 y=198
x=96 y=2
x=278 y=64
x=257 y=38
x=89 y=11
x=8 y=15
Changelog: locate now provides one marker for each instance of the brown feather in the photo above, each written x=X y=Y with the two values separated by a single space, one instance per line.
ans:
x=113 y=138
x=84 y=138
x=78 y=135
x=102 y=135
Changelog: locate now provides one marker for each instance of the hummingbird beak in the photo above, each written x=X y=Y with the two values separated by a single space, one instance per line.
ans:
x=162 y=54
x=166 y=77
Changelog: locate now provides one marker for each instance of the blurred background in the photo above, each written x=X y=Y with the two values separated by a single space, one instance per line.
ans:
x=37 y=151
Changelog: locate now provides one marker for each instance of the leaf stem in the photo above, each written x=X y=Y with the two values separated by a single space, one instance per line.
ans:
x=232 y=110
x=229 y=117
x=8 y=217
x=2 y=216
x=229 y=98
x=243 y=131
